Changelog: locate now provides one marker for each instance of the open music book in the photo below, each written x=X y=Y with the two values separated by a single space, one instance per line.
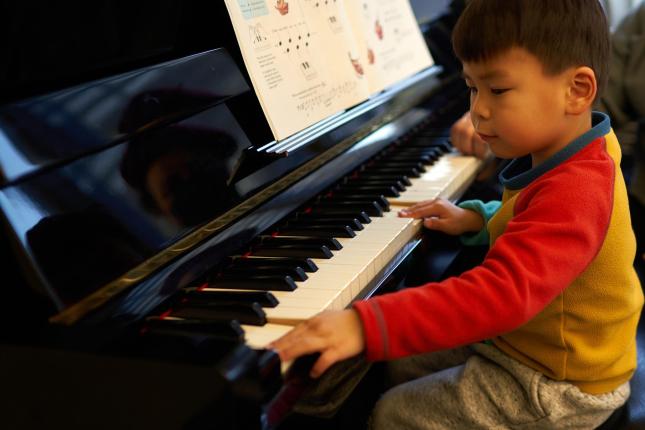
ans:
x=310 y=59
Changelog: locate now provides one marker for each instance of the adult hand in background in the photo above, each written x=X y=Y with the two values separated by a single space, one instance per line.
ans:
x=466 y=140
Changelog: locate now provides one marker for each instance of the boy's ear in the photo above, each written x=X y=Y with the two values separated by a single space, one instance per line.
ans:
x=581 y=90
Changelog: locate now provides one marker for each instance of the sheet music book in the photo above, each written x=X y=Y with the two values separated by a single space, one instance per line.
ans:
x=310 y=59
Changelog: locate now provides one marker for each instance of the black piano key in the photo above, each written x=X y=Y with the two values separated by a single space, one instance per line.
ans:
x=410 y=172
x=400 y=186
x=251 y=314
x=302 y=251
x=432 y=153
x=354 y=224
x=430 y=149
x=330 y=243
x=229 y=330
x=438 y=151
x=380 y=176
x=383 y=202
x=441 y=144
x=416 y=153
x=255 y=283
x=426 y=159
x=351 y=196
x=362 y=217
x=433 y=133
x=257 y=264
x=254 y=260
x=371 y=207
x=356 y=187
x=264 y=298
x=297 y=273
x=400 y=164
x=318 y=231
x=424 y=140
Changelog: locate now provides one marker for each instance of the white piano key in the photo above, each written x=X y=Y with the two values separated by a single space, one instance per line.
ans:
x=291 y=315
x=260 y=337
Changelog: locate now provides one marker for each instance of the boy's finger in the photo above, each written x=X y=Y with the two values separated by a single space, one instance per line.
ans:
x=286 y=338
x=436 y=210
x=323 y=363
x=420 y=209
x=300 y=345
x=428 y=223
x=421 y=204
x=434 y=223
x=286 y=341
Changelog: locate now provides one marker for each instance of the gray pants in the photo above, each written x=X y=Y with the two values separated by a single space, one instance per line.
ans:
x=480 y=387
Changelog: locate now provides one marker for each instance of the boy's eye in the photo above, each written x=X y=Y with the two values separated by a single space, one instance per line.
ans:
x=472 y=90
x=498 y=91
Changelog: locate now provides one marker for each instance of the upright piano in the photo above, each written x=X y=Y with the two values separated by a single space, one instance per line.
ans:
x=155 y=237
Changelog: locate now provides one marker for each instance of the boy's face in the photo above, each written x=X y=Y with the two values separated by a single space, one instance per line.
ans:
x=516 y=108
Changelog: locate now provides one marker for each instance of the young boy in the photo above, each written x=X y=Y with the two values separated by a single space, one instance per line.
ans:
x=542 y=333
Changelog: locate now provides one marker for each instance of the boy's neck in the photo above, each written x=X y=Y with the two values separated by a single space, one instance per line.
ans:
x=576 y=126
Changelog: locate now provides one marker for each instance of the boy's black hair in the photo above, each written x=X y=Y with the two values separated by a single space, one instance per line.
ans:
x=560 y=33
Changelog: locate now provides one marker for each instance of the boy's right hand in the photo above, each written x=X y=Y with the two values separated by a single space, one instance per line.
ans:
x=336 y=335
x=442 y=215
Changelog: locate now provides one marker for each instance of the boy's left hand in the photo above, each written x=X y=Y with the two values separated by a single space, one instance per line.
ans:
x=442 y=215
x=337 y=335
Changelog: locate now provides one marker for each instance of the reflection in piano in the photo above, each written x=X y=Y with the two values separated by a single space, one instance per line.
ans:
x=159 y=238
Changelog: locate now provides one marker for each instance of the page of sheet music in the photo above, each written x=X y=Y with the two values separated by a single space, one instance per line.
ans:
x=298 y=54
x=310 y=59
x=390 y=43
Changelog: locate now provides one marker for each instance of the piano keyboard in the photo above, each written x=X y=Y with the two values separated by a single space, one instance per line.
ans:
x=342 y=278
x=342 y=264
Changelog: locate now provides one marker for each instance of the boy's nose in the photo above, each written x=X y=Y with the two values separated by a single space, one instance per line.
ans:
x=478 y=108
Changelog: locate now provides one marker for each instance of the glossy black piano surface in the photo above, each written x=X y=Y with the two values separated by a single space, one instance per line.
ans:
x=134 y=163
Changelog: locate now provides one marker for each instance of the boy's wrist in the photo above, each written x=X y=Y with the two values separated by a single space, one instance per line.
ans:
x=484 y=212
x=473 y=221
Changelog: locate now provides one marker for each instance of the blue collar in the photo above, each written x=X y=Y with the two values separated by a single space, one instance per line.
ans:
x=518 y=173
